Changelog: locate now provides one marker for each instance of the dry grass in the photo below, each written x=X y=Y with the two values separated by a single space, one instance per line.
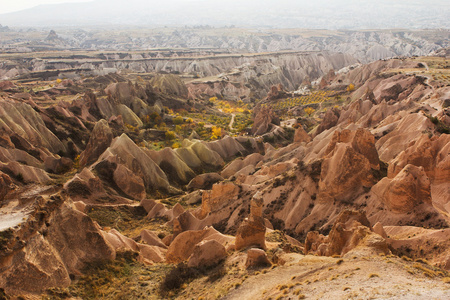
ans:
x=123 y=278
x=406 y=258
x=426 y=271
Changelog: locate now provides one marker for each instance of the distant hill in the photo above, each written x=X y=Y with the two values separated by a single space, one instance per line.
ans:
x=339 y=14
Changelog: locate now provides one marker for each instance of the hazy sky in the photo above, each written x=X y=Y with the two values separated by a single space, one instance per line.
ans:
x=7 y=6
x=326 y=14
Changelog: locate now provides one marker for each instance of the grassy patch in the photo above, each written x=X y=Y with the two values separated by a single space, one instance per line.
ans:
x=172 y=201
x=128 y=220
x=179 y=277
x=123 y=278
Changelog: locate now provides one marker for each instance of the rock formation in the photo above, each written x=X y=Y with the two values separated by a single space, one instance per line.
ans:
x=137 y=161
x=256 y=258
x=218 y=197
x=264 y=118
x=101 y=138
x=207 y=253
x=204 y=181
x=49 y=246
x=252 y=231
x=301 y=136
x=407 y=190
x=347 y=167
x=350 y=230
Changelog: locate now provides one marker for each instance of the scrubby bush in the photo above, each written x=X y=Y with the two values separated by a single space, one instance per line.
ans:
x=170 y=135
x=178 y=120
x=350 y=87
x=177 y=277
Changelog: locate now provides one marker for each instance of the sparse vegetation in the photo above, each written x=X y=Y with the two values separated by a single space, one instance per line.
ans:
x=125 y=220
x=123 y=277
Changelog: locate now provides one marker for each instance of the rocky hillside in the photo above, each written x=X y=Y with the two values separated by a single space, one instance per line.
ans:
x=233 y=76
x=364 y=45
x=122 y=187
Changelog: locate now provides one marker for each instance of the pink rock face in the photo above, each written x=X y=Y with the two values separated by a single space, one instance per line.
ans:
x=239 y=164
x=204 y=181
x=256 y=258
x=396 y=87
x=329 y=120
x=409 y=129
x=60 y=242
x=6 y=185
x=151 y=254
x=351 y=229
x=263 y=120
x=427 y=153
x=170 y=84
x=378 y=229
x=147 y=253
x=301 y=136
x=84 y=184
x=226 y=147
x=183 y=245
x=129 y=183
x=150 y=238
x=361 y=140
x=344 y=174
x=276 y=92
x=57 y=165
x=135 y=159
x=218 y=197
x=252 y=232
x=207 y=253
x=148 y=204
x=172 y=164
x=347 y=168
x=99 y=140
x=411 y=187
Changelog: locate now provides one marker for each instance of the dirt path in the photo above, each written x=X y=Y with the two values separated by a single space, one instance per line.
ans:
x=231 y=122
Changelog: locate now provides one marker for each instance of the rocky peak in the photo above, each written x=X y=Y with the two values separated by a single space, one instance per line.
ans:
x=252 y=231
x=265 y=118
x=52 y=36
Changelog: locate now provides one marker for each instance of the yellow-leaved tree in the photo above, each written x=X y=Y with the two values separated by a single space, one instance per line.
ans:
x=350 y=87
x=216 y=132
x=309 y=111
